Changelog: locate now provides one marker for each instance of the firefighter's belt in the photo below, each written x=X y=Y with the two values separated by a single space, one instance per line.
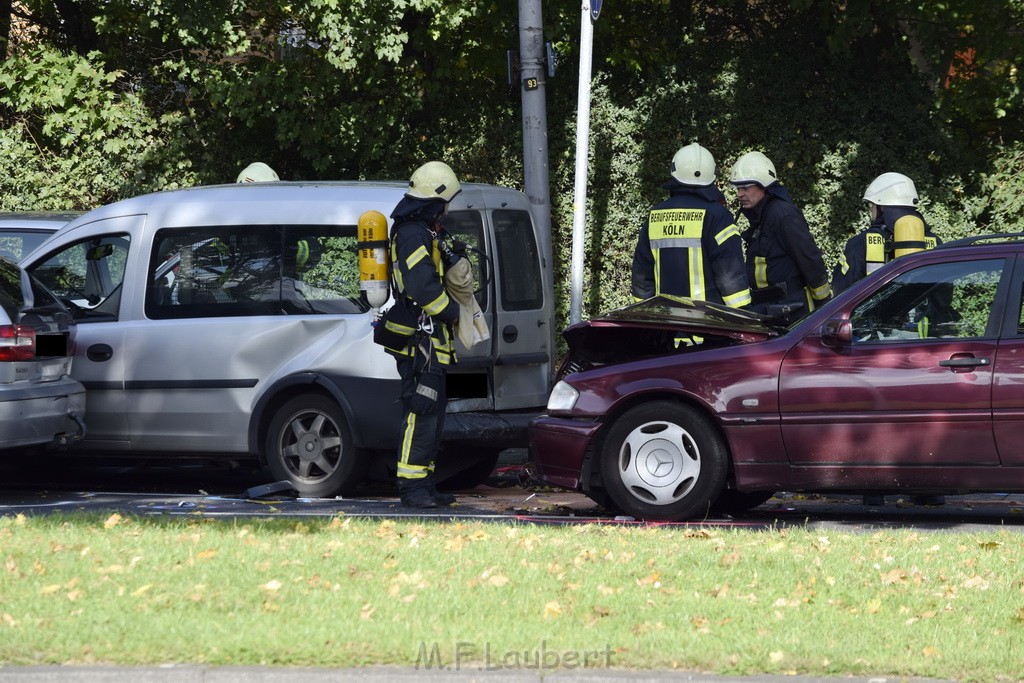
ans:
x=776 y=292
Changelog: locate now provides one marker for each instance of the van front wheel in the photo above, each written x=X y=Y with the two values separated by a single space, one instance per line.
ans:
x=309 y=445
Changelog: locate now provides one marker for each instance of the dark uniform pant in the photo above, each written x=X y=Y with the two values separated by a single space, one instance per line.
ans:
x=422 y=419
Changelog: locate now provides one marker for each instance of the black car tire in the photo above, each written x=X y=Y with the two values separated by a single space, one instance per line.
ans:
x=309 y=444
x=663 y=460
x=730 y=501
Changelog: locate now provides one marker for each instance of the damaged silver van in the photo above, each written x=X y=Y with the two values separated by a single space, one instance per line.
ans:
x=228 y=321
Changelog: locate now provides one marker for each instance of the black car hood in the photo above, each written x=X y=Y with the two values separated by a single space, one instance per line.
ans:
x=655 y=327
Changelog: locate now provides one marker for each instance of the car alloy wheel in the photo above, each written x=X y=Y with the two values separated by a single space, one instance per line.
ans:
x=663 y=460
x=309 y=445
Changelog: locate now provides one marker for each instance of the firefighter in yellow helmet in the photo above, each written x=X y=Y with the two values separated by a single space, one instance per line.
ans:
x=897 y=228
x=420 y=323
x=785 y=268
x=690 y=246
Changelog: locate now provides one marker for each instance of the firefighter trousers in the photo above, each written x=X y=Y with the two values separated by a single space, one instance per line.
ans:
x=422 y=422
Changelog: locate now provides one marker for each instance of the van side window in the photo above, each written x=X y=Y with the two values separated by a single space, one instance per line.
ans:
x=521 y=285
x=86 y=276
x=253 y=270
x=468 y=227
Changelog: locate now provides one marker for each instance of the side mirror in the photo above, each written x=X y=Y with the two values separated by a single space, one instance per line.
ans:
x=836 y=333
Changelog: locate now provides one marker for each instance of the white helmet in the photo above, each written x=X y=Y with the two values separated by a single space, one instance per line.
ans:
x=753 y=168
x=434 y=179
x=693 y=165
x=892 y=189
x=257 y=172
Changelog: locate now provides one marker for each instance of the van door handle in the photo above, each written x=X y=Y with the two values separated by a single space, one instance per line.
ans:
x=510 y=334
x=99 y=353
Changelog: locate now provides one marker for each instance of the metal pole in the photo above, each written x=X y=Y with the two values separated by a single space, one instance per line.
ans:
x=579 y=202
x=535 y=132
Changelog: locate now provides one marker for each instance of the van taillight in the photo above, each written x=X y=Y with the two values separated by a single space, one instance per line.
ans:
x=17 y=342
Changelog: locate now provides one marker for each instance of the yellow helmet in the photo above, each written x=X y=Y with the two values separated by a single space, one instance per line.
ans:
x=257 y=172
x=753 y=168
x=433 y=180
x=693 y=165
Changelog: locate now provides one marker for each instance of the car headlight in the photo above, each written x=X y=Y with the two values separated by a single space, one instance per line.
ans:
x=563 y=398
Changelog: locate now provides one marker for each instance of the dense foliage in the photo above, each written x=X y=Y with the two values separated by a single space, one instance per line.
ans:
x=103 y=100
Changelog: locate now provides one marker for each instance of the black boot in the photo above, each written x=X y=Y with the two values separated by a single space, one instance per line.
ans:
x=439 y=497
x=415 y=493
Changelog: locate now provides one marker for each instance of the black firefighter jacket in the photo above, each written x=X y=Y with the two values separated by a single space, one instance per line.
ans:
x=691 y=247
x=869 y=250
x=784 y=265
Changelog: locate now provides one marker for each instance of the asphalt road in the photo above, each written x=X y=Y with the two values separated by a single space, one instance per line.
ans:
x=145 y=487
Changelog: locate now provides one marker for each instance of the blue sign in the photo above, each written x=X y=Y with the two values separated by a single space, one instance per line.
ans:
x=595 y=9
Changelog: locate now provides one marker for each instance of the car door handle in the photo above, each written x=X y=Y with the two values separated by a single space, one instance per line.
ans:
x=970 y=362
x=99 y=353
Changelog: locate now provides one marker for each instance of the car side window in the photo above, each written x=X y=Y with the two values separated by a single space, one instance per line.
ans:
x=87 y=276
x=217 y=271
x=936 y=301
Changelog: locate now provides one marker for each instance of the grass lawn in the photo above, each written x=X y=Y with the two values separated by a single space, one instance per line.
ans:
x=348 y=592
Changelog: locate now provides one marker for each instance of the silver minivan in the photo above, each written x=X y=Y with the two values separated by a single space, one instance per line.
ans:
x=229 y=321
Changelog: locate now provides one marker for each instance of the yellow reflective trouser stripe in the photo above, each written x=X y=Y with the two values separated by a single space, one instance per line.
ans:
x=922 y=327
x=740 y=298
x=726 y=233
x=808 y=299
x=415 y=257
x=405 y=470
x=696 y=274
x=844 y=266
x=761 y=272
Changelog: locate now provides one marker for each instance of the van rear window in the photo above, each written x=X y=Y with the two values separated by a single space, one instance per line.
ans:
x=216 y=271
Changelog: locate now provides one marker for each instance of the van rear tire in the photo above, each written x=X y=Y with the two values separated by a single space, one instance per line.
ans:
x=309 y=444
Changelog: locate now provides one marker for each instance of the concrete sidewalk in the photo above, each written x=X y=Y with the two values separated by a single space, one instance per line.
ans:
x=245 y=674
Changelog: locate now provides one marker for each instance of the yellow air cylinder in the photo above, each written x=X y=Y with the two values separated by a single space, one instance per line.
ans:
x=372 y=242
x=908 y=236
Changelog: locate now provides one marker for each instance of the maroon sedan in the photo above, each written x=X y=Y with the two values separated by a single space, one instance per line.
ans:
x=912 y=381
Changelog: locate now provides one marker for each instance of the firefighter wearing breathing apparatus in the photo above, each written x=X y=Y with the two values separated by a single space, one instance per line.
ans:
x=897 y=229
x=785 y=268
x=690 y=246
x=418 y=327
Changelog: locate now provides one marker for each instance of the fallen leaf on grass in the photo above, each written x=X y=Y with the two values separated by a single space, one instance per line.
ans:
x=976 y=582
x=776 y=657
x=552 y=610
x=112 y=521
x=272 y=585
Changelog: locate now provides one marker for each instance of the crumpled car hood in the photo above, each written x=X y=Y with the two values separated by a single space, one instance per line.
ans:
x=654 y=327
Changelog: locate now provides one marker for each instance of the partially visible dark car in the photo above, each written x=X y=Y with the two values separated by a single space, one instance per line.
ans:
x=912 y=381
x=20 y=233
x=39 y=402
